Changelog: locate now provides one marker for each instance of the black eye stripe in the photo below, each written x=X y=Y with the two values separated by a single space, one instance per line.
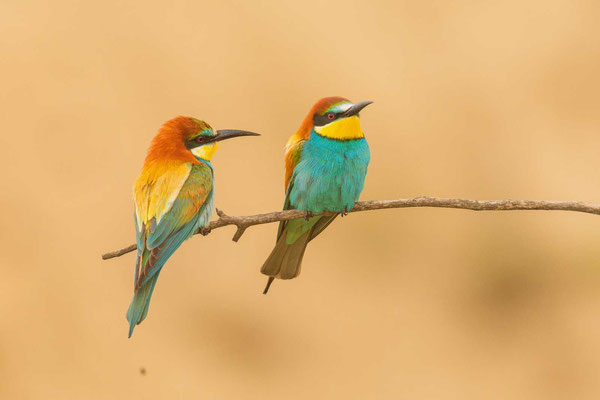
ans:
x=320 y=120
x=197 y=141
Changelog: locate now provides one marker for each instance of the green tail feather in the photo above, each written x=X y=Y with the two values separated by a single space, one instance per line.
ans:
x=285 y=260
x=138 y=309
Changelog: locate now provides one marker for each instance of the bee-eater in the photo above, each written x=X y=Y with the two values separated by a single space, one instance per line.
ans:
x=174 y=196
x=325 y=167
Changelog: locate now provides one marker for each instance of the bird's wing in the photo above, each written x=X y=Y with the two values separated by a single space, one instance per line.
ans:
x=293 y=154
x=170 y=218
x=156 y=189
x=317 y=224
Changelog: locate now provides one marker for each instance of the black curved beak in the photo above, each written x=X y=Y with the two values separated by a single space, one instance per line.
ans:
x=356 y=108
x=224 y=134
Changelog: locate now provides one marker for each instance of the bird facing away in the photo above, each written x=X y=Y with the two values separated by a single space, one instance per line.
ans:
x=174 y=196
x=325 y=167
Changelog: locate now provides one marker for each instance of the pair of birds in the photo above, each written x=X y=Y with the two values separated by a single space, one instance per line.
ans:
x=325 y=167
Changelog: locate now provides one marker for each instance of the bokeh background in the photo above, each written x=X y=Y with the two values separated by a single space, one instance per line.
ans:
x=474 y=99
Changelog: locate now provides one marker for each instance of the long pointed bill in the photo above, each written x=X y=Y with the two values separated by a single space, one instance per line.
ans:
x=356 y=108
x=225 y=134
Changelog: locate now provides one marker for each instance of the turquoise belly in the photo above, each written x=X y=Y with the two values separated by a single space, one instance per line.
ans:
x=330 y=175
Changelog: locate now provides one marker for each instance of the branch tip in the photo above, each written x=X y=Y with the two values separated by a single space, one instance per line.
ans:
x=238 y=233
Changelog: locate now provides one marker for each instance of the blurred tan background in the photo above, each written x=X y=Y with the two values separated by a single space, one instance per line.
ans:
x=475 y=99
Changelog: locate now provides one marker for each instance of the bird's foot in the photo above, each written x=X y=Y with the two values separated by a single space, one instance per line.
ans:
x=308 y=215
x=204 y=231
x=344 y=213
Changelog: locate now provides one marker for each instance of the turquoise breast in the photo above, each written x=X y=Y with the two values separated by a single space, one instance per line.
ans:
x=330 y=174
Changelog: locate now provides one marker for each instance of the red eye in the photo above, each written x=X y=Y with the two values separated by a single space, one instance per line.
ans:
x=330 y=116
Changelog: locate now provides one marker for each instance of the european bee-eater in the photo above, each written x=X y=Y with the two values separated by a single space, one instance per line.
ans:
x=325 y=167
x=174 y=196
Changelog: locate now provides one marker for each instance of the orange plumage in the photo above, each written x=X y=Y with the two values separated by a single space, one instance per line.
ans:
x=166 y=168
x=168 y=144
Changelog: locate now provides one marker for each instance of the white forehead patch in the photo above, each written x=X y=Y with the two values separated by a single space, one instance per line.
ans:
x=341 y=107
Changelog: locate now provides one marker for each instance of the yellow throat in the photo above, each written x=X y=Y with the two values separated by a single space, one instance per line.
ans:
x=205 y=152
x=342 y=129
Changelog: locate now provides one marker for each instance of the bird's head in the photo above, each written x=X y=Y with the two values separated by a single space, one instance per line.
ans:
x=337 y=118
x=203 y=141
x=187 y=138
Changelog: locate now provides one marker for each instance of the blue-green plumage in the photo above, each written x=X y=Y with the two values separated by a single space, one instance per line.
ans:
x=326 y=164
x=330 y=175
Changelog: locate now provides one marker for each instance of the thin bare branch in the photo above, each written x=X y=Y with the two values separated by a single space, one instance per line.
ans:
x=243 y=222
